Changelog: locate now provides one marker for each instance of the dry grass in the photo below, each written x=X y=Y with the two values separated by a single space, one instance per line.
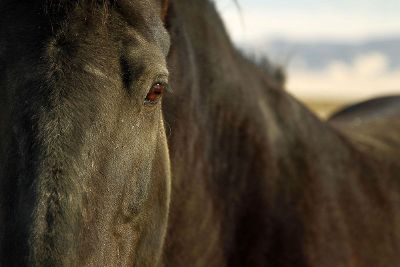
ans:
x=323 y=108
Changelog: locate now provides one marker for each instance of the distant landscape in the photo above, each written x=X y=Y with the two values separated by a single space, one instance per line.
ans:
x=329 y=74
x=334 y=52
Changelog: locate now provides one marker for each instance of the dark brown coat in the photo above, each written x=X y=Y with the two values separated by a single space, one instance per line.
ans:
x=229 y=171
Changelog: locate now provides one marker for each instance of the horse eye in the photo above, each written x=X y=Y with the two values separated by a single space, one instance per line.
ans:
x=155 y=93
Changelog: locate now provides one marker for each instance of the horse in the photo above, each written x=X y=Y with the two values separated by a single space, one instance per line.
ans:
x=133 y=133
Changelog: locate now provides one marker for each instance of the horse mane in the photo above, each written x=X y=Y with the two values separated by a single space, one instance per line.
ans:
x=275 y=71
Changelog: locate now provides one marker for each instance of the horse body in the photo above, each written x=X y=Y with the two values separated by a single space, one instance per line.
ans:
x=372 y=125
x=257 y=180
x=271 y=184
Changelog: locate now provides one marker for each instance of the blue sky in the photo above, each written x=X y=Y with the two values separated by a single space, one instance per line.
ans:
x=349 y=20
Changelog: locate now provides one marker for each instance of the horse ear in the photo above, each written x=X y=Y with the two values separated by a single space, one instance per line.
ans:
x=164 y=10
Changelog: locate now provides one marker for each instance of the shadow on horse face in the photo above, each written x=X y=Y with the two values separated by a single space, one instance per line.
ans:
x=88 y=148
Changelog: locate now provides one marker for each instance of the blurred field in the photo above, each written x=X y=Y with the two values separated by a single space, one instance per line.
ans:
x=323 y=108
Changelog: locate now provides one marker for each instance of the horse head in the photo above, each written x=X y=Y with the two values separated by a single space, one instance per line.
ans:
x=85 y=173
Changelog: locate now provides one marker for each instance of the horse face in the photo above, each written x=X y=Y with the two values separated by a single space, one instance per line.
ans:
x=86 y=167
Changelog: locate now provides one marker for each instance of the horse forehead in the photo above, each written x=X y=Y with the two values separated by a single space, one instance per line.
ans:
x=149 y=11
x=147 y=23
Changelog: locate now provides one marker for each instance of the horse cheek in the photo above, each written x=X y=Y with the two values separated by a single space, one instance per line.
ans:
x=146 y=206
x=156 y=210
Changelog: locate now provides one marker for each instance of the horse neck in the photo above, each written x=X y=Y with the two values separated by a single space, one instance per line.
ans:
x=241 y=147
x=247 y=158
x=225 y=102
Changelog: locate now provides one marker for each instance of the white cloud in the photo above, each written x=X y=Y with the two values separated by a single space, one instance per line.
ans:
x=367 y=76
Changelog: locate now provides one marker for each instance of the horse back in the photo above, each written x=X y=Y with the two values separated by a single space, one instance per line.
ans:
x=373 y=124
